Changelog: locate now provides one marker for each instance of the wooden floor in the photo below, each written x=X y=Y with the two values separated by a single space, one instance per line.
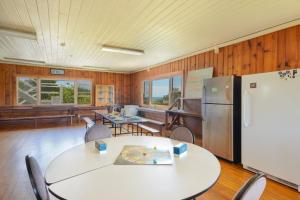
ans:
x=45 y=144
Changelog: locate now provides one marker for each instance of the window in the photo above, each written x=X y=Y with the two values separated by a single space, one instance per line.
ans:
x=84 y=92
x=27 y=91
x=164 y=91
x=160 y=92
x=146 y=93
x=35 y=91
x=104 y=95
x=55 y=92
x=175 y=88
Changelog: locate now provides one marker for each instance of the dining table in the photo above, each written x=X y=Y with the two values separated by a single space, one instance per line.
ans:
x=118 y=121
x=82 y=172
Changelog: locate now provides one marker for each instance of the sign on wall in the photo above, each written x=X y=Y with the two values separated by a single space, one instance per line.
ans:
x=57 y=71
x=194 y=82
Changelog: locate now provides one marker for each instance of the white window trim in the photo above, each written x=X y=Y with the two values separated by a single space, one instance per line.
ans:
x=170 y=90
x=17 y=91
x=60 y=104
x=39 y=91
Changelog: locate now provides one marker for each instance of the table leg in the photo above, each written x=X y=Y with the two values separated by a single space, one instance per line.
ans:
x=120 y=129
x=137 y=129
x=115 y=129
x=141 y=132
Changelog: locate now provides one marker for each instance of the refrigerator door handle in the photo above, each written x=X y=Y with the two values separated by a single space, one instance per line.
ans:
x=203 y=103
x=246 y=109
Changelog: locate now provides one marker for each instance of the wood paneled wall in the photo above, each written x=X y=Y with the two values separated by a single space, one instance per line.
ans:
x=9 y=72
x=270 y=52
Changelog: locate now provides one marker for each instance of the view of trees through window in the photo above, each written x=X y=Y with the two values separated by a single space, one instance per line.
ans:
x=53 y=92
x=57 y=92
x=84 y=92
x=160 y=92
x=163 y=91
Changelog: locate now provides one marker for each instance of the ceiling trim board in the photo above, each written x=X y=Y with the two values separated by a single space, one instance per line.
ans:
x=61 y=67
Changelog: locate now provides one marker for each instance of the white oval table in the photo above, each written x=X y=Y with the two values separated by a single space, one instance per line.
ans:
x=82 y=173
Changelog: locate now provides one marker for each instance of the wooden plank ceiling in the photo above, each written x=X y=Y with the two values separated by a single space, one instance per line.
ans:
x=164 y=29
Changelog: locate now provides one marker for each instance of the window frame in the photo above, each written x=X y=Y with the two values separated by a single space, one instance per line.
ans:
x=60 y=104
x=161 y=105
x=39 y=79
x=169 y=76
x=97 y=88
x=17 y=91
x=149 y=92
x=76 y=92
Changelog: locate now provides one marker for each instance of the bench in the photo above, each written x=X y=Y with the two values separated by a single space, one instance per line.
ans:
x=148 y=129
x=36 y=118
x=159 y=123
x=88 y=122
x=151 y=130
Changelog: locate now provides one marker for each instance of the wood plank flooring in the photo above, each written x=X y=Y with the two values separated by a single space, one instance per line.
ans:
x=45 y=144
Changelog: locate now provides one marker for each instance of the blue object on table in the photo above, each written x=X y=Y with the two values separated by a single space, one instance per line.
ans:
x=100 y=145
x=179 y=148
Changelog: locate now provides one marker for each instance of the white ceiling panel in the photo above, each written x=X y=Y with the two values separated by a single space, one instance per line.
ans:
x=70 y=32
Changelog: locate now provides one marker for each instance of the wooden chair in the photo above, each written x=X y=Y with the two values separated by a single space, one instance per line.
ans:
x=97 y=132
x=36 y=178
x=252 y=189
x=184 y=134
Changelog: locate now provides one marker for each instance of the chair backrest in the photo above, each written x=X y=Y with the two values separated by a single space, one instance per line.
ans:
x=131 y=110
x=182 y=133
x=96 y=132
x=252 y=189
x=114 y=107
x=36 y=178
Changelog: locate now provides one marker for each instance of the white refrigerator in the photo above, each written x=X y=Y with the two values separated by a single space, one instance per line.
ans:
x=271 y=125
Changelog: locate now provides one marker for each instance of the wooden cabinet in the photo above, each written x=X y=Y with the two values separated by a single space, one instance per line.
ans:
x=105 y=95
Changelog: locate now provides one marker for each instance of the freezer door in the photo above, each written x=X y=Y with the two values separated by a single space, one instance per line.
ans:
x=271 y=125
x=218 y=90
x=217 y=132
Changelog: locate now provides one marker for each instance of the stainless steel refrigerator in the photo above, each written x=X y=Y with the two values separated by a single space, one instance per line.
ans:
x=221 y=115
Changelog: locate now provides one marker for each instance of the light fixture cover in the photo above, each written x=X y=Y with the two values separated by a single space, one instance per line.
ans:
x=24 y=60
x=18 y=33
x=122 y=50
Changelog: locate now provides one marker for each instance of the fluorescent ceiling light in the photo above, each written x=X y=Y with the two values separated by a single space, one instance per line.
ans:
x=24 y=60
x=122 y=50
x=17 y=33
x=96 y=68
